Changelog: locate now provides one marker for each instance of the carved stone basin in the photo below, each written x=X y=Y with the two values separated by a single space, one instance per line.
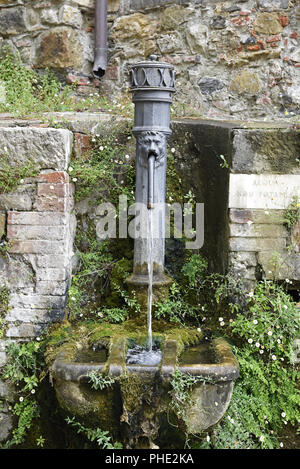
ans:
x=141 y=394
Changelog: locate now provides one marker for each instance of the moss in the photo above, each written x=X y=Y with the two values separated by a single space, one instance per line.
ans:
x=4 y=309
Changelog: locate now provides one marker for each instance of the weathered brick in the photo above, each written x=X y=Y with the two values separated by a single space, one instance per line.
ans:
x=53 y=190
x=38 y=247
x=54 y=204
x=54 y=177
x=274 y=38
x=24 y=232
x=35 y=218
x=283 y=20
x=82 y=143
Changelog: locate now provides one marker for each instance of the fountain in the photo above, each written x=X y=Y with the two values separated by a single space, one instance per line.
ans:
x=139 y=402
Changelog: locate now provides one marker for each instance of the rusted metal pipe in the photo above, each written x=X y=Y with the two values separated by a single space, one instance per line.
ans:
x=100 y=60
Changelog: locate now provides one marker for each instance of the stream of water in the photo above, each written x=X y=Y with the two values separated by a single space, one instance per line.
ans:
x=150 y=275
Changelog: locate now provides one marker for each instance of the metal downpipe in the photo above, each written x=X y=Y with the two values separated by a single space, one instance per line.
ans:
x=100 y=60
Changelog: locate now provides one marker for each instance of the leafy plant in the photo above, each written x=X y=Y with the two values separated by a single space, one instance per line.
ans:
x=25 y=370
x=101 y=437
x=99 y=381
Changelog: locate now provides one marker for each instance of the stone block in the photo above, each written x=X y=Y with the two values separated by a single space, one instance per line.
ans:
x=257 y=244
x=60 y=47
x=51 y=274
x=70 y=16
x=45 y=287
x=36 y=218
x=246 y=259
x=267 y=23
x=28 y=232
x=136 y=26
x=266 y=151
x=30 y=316
x=36 y=301
x=254 y=230
x=50 y=261
x=15 y=201
x=274 y=217
x=263 y=191
x=37 y=247
x=42 y=147
x=246 y=82
x=12 y=21
x=22 y=331
x=279 y=265
x=6 y=424
x=273 y=5
x=2 y=224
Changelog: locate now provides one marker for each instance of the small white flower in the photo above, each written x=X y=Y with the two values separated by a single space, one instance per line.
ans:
x=255 y=321
x=208 y=438
x=251 y=293
x=173 y=150
x=261 y=352
x=220 y=319
x=21 y=399
x=283 y=414
x=101 y=148
x=285 y=306
x=250 y=341
x=216 y=404
x=270 y=333
x=21 y=181
x=222 y=323
x=199 y=329
x=38 y=339
x=74 y=179
x=281 y=445
x=274 y=357
x=278 y=341
x=261 y=438
x=127 y=157
x=257 y=344
x=32 y=391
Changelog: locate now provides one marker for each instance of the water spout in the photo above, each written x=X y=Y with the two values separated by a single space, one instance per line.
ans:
x=151 y=163
x=152 y=85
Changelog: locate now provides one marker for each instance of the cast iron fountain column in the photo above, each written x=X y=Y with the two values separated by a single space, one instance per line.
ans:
x=152 y=84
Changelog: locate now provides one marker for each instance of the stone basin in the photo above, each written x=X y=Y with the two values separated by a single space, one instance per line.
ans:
x=212 y=362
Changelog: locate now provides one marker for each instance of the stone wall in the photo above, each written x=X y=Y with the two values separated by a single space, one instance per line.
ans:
x=264 y=179
x=38 y=227
x=232 y=58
